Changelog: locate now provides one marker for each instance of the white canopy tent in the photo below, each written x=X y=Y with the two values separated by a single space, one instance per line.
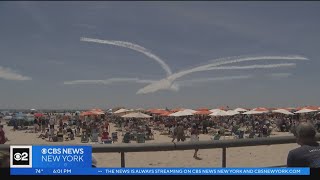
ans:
x=305 y=110
x=189 y=110
x=121 y=111
x=283 y=111
x=254 y=112
x=219 y=113
x=136 y=115
x=182 y=113
x=232 y=112
x=216 y=110
x=240 y=110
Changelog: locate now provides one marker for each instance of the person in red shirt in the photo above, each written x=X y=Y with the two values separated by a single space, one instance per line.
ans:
x=2 y=135
x=105 y=135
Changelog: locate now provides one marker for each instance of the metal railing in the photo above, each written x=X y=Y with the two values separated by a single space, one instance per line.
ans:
x=224 y=144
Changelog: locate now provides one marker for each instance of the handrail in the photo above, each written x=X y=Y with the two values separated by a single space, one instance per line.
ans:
x=146 y=147
x=211 y=144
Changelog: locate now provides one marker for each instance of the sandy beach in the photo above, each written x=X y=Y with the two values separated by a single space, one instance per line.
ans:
x=259 y=156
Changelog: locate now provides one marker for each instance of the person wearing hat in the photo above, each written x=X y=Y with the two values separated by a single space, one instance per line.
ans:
x=308 y=155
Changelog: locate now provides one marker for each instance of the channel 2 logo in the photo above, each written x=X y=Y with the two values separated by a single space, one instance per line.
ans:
x=20 y=156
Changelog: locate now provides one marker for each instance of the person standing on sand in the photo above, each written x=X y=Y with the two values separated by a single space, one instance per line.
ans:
x=180 y=132
x=174 y=132
x=195 y=138
x=106 y=124
x=308 y=155
x=2 y=135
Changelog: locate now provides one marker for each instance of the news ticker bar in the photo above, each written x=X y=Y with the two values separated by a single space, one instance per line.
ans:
x=160 y=171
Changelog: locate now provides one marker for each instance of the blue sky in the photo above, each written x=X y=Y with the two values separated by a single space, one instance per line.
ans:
x=41 y=49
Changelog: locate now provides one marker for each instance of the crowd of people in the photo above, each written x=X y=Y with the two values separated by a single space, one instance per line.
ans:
x=53 y=126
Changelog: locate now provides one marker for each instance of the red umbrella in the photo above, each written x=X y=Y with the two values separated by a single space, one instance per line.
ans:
x=158 y=111
x=38 y=115
x=202 y=112
x=203 y=109
x=166 y=113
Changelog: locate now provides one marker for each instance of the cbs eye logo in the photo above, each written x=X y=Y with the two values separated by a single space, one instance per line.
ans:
x=20 y=156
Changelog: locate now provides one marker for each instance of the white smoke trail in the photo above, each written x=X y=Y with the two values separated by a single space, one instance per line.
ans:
x=255 y=66
x=279 y=75
x=9 y=74
x=109 y=81
x=166 y=83
x=244 y=59
x=133 y=47
x=137 y=80
x=192 y=82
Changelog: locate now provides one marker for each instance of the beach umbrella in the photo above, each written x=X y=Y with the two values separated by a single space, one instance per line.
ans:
x=38 y=115
x=87 y=113
x=254 y=112
x=67 y=114
x=19 y=118
x=177 y=109
x=166 y=113
x=219 y=113
x=240 y=110
x=7 y=117
x=202 y=109
x=181 y=113
x=232 y=112
x=305 y=111
x=29 y=117
x=207 y=112
x=97 y=112
x=213 y=110
x=190 y=110
x=283 y=111
x=121 y=111
x=158 y=111
x=136 y=115
x=261 y=109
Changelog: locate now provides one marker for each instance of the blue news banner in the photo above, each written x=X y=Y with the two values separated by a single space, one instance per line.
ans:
x=77 y=160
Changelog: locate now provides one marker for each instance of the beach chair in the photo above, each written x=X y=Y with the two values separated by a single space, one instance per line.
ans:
x=94 y=137
x=106 y=141
x=84 y=138
x=134 y=135
x=60 y=137
x=114 y=136
x=141 y=138
x=126 y=138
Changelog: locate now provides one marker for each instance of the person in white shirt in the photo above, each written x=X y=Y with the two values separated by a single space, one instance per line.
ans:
x=52 y=122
